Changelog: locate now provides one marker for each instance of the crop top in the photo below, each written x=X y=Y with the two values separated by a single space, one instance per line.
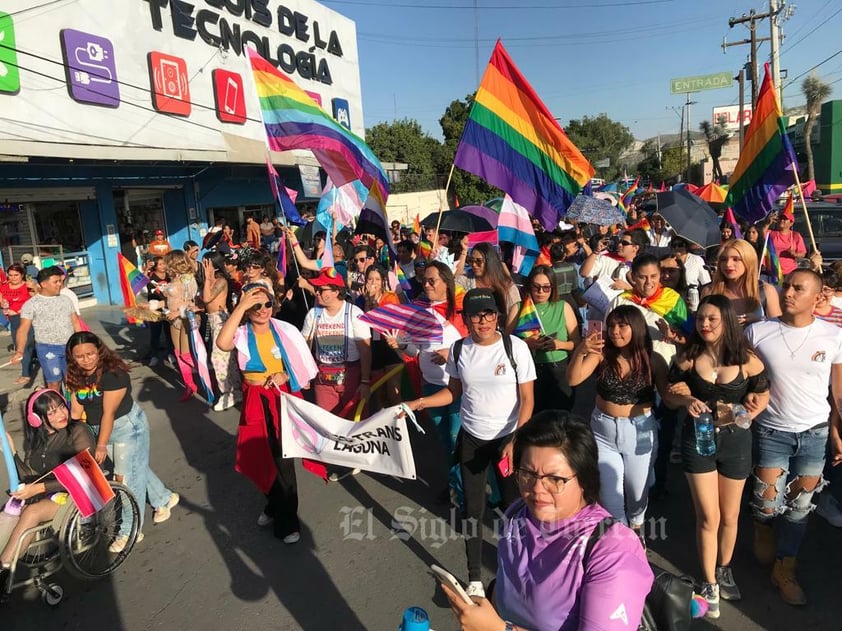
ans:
x=633 y=389
x=733 y=392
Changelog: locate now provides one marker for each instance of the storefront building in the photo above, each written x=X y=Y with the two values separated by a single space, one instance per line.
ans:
x=121 y=118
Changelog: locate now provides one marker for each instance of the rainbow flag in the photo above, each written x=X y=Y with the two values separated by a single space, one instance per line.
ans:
x=528 y=323
x=767 y=164
x=293 y=120
x=667 y=303
x=132 y=283
x=416 y=225
x=425 y=249
x=403 y=281
x=643 y=224
x=771 y=264
x=512 y=141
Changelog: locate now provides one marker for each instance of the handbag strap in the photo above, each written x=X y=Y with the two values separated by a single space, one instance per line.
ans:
x=600 y=529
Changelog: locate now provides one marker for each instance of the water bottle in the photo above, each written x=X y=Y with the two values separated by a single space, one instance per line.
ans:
x=705 y=434
x=692 y=298
x=742 y=418
x=415 y=619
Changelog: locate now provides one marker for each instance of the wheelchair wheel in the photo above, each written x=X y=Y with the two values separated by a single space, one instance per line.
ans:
x=53 y=594
x=84 y=542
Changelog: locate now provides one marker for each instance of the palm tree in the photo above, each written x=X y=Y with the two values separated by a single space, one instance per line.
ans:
x=816 y=91
x=716 y=136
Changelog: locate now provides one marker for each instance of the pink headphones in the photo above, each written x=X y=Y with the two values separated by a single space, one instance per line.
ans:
x=31 y=417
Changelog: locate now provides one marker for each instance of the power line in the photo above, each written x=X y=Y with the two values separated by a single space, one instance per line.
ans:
x=584 y=5
x=811 y=31
x=808 y=71
x=38 y=6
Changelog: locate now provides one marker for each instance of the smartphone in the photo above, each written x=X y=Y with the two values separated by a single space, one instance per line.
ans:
x=594 y=326
x=446 y=578
x=504 y=467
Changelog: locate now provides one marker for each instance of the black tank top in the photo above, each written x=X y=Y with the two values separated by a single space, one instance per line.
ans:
x=731 y=392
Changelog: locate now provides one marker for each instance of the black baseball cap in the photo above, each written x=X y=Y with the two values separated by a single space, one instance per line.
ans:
x=478 y=300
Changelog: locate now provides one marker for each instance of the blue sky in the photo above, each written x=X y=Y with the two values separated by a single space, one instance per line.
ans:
x=583 y=57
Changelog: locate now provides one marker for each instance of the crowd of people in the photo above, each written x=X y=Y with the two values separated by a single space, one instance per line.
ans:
x=696 y=358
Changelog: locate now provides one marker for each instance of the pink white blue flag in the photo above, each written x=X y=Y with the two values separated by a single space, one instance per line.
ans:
x=515 y=227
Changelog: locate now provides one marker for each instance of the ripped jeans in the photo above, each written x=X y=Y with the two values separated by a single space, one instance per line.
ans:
x=627 y=448
x=797 y=454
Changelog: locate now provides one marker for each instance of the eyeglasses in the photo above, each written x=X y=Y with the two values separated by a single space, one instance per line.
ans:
x=320 y=290
x=362 y=260
x=430 y=281
x=476 y=261
x=624 y=243
x=485 y=316
x=552 y=483
x=542 y=288
x=257 y=307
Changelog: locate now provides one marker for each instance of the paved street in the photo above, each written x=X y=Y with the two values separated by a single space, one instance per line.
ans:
x=210 y=567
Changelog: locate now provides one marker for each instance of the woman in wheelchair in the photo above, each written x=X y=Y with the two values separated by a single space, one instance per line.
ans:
x=50 y=438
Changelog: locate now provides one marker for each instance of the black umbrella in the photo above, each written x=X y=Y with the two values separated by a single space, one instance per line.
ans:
x=457 y=221
x=689 y=216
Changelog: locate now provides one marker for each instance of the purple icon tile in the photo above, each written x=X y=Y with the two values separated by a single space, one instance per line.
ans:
x=90 y=68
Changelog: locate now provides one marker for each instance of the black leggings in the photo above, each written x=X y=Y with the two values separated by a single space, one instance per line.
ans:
x=475 y=457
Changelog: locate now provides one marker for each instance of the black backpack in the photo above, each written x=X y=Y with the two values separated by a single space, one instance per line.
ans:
x=667 y=606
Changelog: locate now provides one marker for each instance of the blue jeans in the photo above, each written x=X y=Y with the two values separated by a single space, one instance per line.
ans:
x=448 y=422
x=129 y=442
x=627 y=448
x=26 y=362
x=797 y=454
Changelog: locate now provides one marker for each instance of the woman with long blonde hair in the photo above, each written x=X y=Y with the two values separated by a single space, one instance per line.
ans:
x=737 y=277
x=181 y=298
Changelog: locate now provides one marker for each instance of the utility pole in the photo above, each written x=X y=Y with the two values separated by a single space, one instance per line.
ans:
x=687 y=106
x=752 y=18
x=775 y=41
x=741 y=78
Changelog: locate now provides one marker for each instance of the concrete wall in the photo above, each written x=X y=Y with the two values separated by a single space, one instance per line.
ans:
x=404 y=206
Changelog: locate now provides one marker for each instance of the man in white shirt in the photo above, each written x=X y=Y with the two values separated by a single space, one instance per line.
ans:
x=659 y=235
x=802 y=356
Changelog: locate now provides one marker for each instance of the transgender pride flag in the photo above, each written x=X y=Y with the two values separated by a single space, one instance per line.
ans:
x=85 y=482
x=515 y=226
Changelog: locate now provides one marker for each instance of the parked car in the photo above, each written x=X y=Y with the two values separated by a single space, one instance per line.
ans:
x=826 y=219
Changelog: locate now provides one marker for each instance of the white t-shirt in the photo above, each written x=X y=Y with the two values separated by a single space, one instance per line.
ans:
x=799 y=383
x=434 y=373
x=605 y=265
x=329 y=347
x=695 y=272
x=659 y=240
x=490 y=401
x=72 y=297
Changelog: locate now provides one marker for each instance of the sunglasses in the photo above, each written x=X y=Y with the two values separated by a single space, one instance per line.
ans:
x=542 y=288
x=362 y=260
x=264 y=305
x=255 y=266
x=625 y=243
x=476 y=261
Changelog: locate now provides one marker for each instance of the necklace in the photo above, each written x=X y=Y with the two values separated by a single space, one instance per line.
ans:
x=715 y=372
x=792 y=351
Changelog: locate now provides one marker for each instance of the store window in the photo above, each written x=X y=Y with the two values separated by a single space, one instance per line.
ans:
x=58 y=223
x=140 y=212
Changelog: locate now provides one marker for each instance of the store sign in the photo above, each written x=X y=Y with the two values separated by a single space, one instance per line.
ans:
x=729 y=116
x=341 y=112
x=229 y=96
x=311 y=180
x=9 y=73
x=229 y=28
x=170 y=84
x=90 y=67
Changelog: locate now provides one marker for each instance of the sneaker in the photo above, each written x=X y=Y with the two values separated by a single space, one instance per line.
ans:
x=475 y=589
x=264 y=520
x=728 y=589
x=336 y=476
x=162 y=514
x=828 y=507
x=225 y=401
x=121 y=541
x=154 y=361
x=710 y=592
x=293 y=537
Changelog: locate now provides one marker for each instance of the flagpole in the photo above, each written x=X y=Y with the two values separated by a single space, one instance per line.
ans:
x=804 y=207
x=441 y=206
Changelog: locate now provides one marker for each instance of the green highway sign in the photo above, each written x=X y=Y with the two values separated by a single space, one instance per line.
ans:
x=715 y=81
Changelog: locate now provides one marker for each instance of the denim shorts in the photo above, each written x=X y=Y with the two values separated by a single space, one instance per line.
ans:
x=733 y=452
x=52 y=360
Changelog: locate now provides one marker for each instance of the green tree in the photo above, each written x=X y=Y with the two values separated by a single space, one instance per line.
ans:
x=598 y=138
x=405 y=141
x=464 y=187
x=716 y=135
x=650 y=167
x=816 y=91
x=674 y=161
